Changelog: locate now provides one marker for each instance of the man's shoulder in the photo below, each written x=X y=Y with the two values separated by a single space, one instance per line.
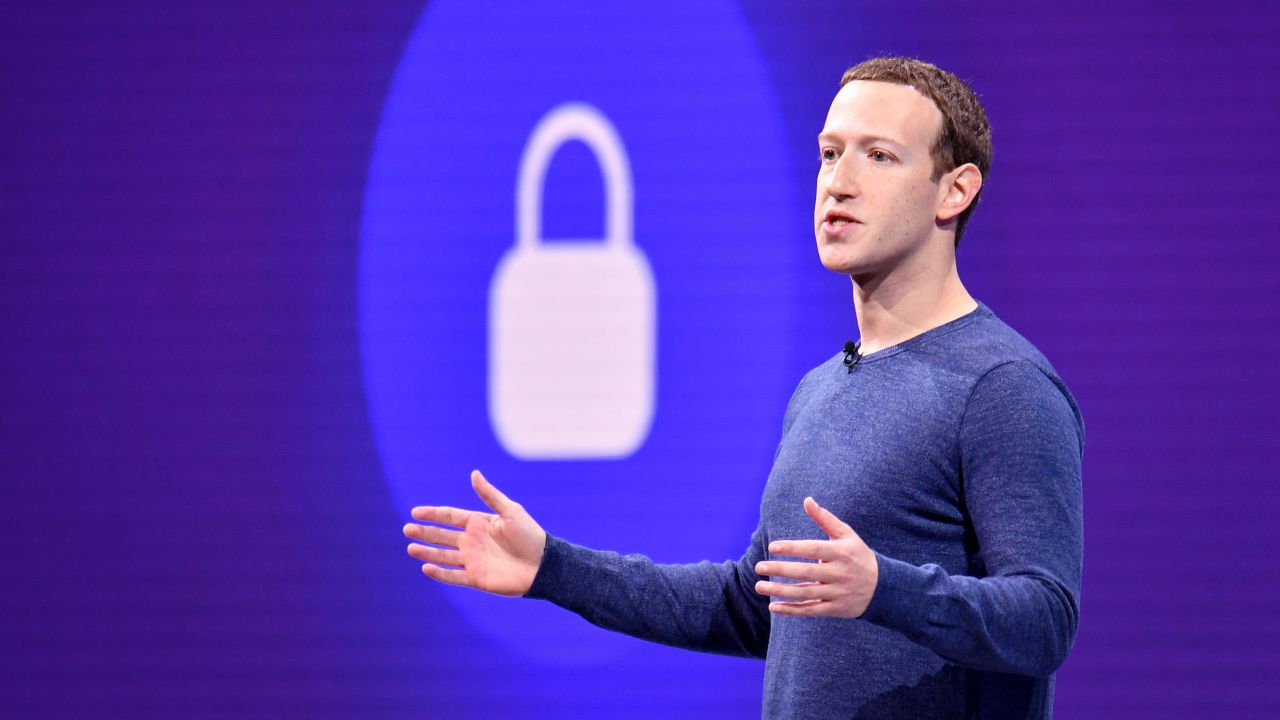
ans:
x=995 y=353
x=989 y=342
x=985 y=349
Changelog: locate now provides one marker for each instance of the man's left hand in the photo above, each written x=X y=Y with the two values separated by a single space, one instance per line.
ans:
x=839 y=584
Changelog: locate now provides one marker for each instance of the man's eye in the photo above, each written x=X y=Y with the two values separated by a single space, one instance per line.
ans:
x=880 y=156
x=828 y=155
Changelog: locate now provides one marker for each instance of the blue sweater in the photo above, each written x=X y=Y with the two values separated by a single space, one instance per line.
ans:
x=956 y=456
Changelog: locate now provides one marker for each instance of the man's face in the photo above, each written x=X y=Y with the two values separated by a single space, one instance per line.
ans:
x=876 y=205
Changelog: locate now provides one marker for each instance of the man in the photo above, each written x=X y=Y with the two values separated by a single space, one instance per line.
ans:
x=919 y=547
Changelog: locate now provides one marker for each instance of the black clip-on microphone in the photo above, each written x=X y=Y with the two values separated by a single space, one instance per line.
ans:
x=852 y=354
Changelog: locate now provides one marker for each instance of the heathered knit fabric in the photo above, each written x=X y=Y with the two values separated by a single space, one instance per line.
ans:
x=956 y=456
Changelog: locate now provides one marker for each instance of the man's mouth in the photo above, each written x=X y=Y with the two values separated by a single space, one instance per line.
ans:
x=837 y=220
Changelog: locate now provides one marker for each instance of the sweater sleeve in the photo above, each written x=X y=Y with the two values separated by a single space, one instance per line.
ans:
x=703 y=606
x=1021 y=445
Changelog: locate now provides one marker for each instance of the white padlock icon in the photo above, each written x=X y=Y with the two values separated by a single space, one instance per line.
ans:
x=573 y=324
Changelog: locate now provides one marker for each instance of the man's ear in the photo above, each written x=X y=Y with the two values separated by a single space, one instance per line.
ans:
x=962 y=186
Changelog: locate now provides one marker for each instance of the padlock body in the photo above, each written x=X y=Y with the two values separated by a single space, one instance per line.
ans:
x=572 y=347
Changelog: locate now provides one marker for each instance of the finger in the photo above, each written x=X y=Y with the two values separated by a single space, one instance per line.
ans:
x=830 y=524
x=795 y=591
x=808 y=608
x=808 y=571
x=433 y=534
x=446 y=575
x=443 y=515
x=813 y=549
x=491 y=496
x=439 y=556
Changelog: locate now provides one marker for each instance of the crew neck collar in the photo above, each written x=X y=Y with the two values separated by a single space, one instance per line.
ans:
x=981 y=311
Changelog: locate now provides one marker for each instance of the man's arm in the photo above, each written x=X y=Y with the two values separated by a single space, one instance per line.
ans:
x=1021 y=446
x=701 y=606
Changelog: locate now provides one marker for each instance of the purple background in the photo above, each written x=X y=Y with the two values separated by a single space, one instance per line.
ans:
x=194 y=515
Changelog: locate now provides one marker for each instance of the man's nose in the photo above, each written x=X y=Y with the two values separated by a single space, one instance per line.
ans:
x=842 y=181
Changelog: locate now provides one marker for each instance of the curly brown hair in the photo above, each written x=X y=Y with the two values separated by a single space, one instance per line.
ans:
x=965 y=136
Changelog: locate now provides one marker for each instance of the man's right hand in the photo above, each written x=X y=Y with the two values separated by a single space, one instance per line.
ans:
x=498 y=553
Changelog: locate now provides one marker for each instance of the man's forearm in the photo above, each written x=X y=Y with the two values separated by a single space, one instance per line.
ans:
x=702 y=606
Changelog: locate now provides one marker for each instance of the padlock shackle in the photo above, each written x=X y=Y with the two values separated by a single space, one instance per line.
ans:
x=574 y=121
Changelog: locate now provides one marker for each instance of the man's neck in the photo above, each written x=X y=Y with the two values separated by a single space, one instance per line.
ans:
x=891 y=310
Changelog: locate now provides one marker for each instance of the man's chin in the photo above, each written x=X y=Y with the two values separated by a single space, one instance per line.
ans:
x=842 y=265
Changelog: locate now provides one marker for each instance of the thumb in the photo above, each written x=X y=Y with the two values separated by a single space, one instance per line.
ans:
x=830 y=524
x=491 y=496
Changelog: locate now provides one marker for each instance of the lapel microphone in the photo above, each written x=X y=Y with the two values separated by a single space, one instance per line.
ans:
x=852 y=354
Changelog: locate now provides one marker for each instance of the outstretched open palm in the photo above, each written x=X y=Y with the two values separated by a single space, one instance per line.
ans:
x=497 y=552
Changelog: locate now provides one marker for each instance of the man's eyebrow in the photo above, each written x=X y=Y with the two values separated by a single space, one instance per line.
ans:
x=861 y=140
